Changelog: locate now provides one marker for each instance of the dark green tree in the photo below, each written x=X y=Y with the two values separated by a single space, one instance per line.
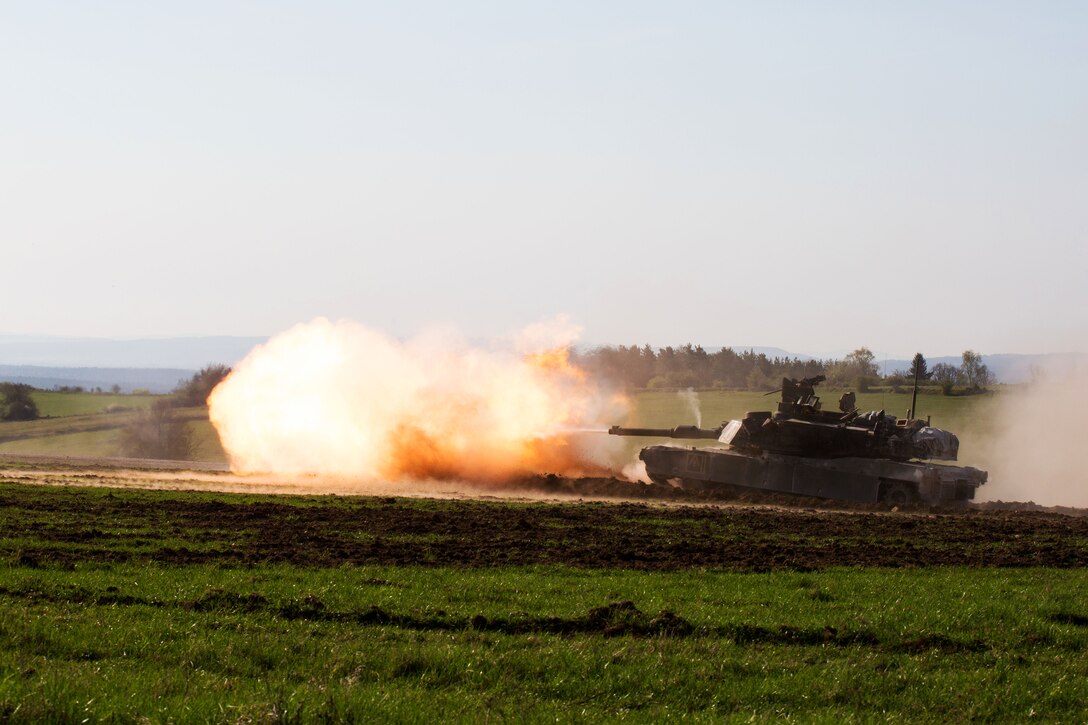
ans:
x=691 y=366
x=17 y=403
x=918 y=365
x=947 y=375
x=195 y=390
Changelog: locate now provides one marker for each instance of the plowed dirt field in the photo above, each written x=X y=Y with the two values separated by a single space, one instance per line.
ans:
x=67 y=521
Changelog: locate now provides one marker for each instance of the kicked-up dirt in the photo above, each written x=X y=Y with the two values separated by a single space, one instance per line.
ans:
x=69 y=522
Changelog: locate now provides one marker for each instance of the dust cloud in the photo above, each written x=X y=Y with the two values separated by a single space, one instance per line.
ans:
x=1037 y=451
x=341 y=399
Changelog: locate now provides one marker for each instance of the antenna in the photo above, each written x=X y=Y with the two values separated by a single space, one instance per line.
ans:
x=883 y=389
x=914 y=398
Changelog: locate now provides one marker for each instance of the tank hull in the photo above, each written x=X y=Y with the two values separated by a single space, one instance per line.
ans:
x=844 y=479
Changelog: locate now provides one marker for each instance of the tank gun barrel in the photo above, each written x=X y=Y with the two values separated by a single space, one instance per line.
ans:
x=680 y=431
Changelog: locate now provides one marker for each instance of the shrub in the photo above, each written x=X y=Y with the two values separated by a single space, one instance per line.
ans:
x=157 y=433
x=195 y=390
x=946 y=376
x=16 y=402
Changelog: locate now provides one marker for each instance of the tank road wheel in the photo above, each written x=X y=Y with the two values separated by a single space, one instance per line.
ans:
x=897 y=493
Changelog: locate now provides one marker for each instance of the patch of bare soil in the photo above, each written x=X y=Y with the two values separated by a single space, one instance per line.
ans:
x=63 y=525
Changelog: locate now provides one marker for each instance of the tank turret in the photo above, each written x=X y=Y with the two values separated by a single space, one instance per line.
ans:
x=800 y=427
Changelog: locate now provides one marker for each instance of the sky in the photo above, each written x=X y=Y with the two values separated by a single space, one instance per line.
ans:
x=811 y=176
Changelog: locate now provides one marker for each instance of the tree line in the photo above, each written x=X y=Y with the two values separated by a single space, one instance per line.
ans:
x=691 y=366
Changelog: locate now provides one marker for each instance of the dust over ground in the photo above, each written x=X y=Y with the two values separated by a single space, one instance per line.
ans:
x=64 y=523
x=166 y=475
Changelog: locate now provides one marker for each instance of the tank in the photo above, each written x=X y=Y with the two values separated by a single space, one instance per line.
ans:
x=804 y=450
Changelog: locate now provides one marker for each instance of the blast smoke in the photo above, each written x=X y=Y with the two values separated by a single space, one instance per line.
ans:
x=339 y=398
x=690 y=397
x=1037 y=452
x=636 y=472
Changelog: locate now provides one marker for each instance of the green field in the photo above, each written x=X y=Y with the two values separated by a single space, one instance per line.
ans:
x=52 y=404
x=103 y=439
x=90 y=425
x=424 y=645
x=102 y=621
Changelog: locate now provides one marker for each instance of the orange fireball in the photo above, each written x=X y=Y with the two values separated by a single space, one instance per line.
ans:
x=338 y=398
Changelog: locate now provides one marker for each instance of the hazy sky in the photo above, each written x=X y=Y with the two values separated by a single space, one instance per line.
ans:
x=815 y=176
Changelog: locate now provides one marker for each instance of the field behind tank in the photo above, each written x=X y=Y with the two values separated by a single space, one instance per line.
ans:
x=125 y=604
x=91 y=424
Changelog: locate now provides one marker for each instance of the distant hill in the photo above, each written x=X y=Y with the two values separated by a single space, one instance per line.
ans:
x=155 y=380
x=188 y=353
x=156 y=365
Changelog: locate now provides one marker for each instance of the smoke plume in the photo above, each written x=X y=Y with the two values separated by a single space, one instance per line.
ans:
x=690 y=397
x=1038 y=452
x=339 y=398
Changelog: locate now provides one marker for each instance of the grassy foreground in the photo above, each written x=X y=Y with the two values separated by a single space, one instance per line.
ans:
x=129 y=606
x=411 y=644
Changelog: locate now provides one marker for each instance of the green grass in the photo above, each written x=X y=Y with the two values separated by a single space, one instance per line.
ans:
x=49 y=427
x=57 y=404
x=73 y=424
x=98 y=435
x=106 y=636
x=411 y=644
x=100 y=443
x=206 y=445
x=91 y=640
